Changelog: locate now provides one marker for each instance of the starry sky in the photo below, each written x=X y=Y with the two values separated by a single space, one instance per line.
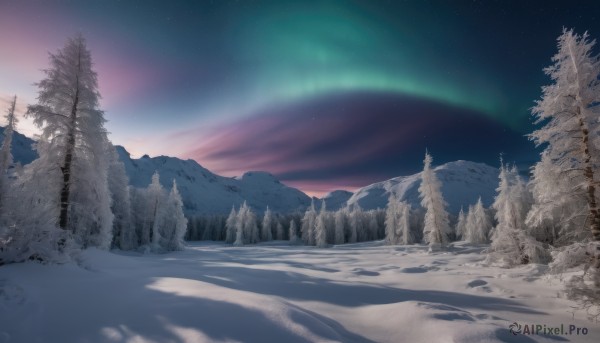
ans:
x=323 y=94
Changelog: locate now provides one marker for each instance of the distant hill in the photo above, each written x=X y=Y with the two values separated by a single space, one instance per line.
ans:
x=204 y=192
x=463 y=182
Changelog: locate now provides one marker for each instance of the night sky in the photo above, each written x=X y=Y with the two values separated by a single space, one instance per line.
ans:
x=323 y=94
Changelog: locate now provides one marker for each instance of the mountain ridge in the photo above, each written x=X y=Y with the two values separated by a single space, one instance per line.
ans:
x=205 y=192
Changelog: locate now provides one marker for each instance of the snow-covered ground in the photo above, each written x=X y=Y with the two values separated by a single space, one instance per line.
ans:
x=365 y=292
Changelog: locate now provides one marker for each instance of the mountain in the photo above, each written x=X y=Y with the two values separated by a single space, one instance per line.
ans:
x=204 y=192
x=21 y=148
x=334 y=200
x=463 y=182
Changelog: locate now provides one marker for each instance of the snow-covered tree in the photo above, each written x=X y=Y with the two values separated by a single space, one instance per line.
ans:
x=72 y=145
x=340 y=225
x=246 y=227
x=321 y=227
x=436 y=228
x=280 y=232
x=267 y=226
x=239 y=229
x=124 y=236
x=557 y=216
x=294 y=239
x=155 y=197
x=230 y=226
x=6 y=158
x=308 y=224
x=478 y=224
x=404 y=233
x=355 y=223
x=568 y=110
x=569 y=113
x=391 y=220
x=173 y=222
x=372 y=225
x=461 y=222
x=511 y=243
x=31 y=232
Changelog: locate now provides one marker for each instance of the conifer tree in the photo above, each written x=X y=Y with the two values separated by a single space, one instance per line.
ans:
x=321 y=228
x=478 y=224
x=230 y=226
x=293 y=233
x=568 y=111
x=461 y=224
x=124 y=236
x=436 y=227
x=267 y=226
x=340 y=225
x=6 y=158
x=308 y=224
x=511 y=243
x=404 y=232
x=391 y=221
x=72 y=145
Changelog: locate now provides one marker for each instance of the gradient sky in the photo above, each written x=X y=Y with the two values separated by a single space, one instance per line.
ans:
x=323 y=94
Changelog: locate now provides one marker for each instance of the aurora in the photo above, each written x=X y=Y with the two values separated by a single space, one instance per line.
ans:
x=174 y=77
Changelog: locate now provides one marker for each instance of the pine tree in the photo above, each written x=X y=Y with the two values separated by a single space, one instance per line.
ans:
x=321 y=228
x=436 y=228
x=404 y=233
x=155 y=202
x=246 y=228
x=340 y=225
x=230 y=226
x=280 y=233
x=73 y=138
x=391 y=221
x=6 y=158
x=478 y=224
x=174 y=225
x=557 y=216
x=355 y=223
x=267 y=224
x=511 y=244
x=124 y=236
x=571 y=129
x=239 y=225
x=293 y=233
x=461 y=224
x=308 y=224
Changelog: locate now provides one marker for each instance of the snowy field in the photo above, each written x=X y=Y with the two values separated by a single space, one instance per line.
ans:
x=213 y=292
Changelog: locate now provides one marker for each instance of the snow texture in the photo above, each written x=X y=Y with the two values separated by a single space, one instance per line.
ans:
x=212 y=292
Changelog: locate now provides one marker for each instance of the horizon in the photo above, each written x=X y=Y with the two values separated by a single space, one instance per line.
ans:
x=324 y=95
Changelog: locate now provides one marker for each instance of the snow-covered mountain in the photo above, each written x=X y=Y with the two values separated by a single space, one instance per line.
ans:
x=462 y=183
x=21 y=148
x=335 y=200
x=204 y=192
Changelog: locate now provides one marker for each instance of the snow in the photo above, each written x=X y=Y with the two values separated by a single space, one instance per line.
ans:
x=335 y=200
x=463 y=182
x=213 y=292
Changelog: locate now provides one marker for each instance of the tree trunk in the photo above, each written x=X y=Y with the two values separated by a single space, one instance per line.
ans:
x=66 y=169
x=588 y=173
x=65 y=192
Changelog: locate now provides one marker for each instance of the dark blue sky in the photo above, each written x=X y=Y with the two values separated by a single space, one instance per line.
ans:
x=324 y=94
